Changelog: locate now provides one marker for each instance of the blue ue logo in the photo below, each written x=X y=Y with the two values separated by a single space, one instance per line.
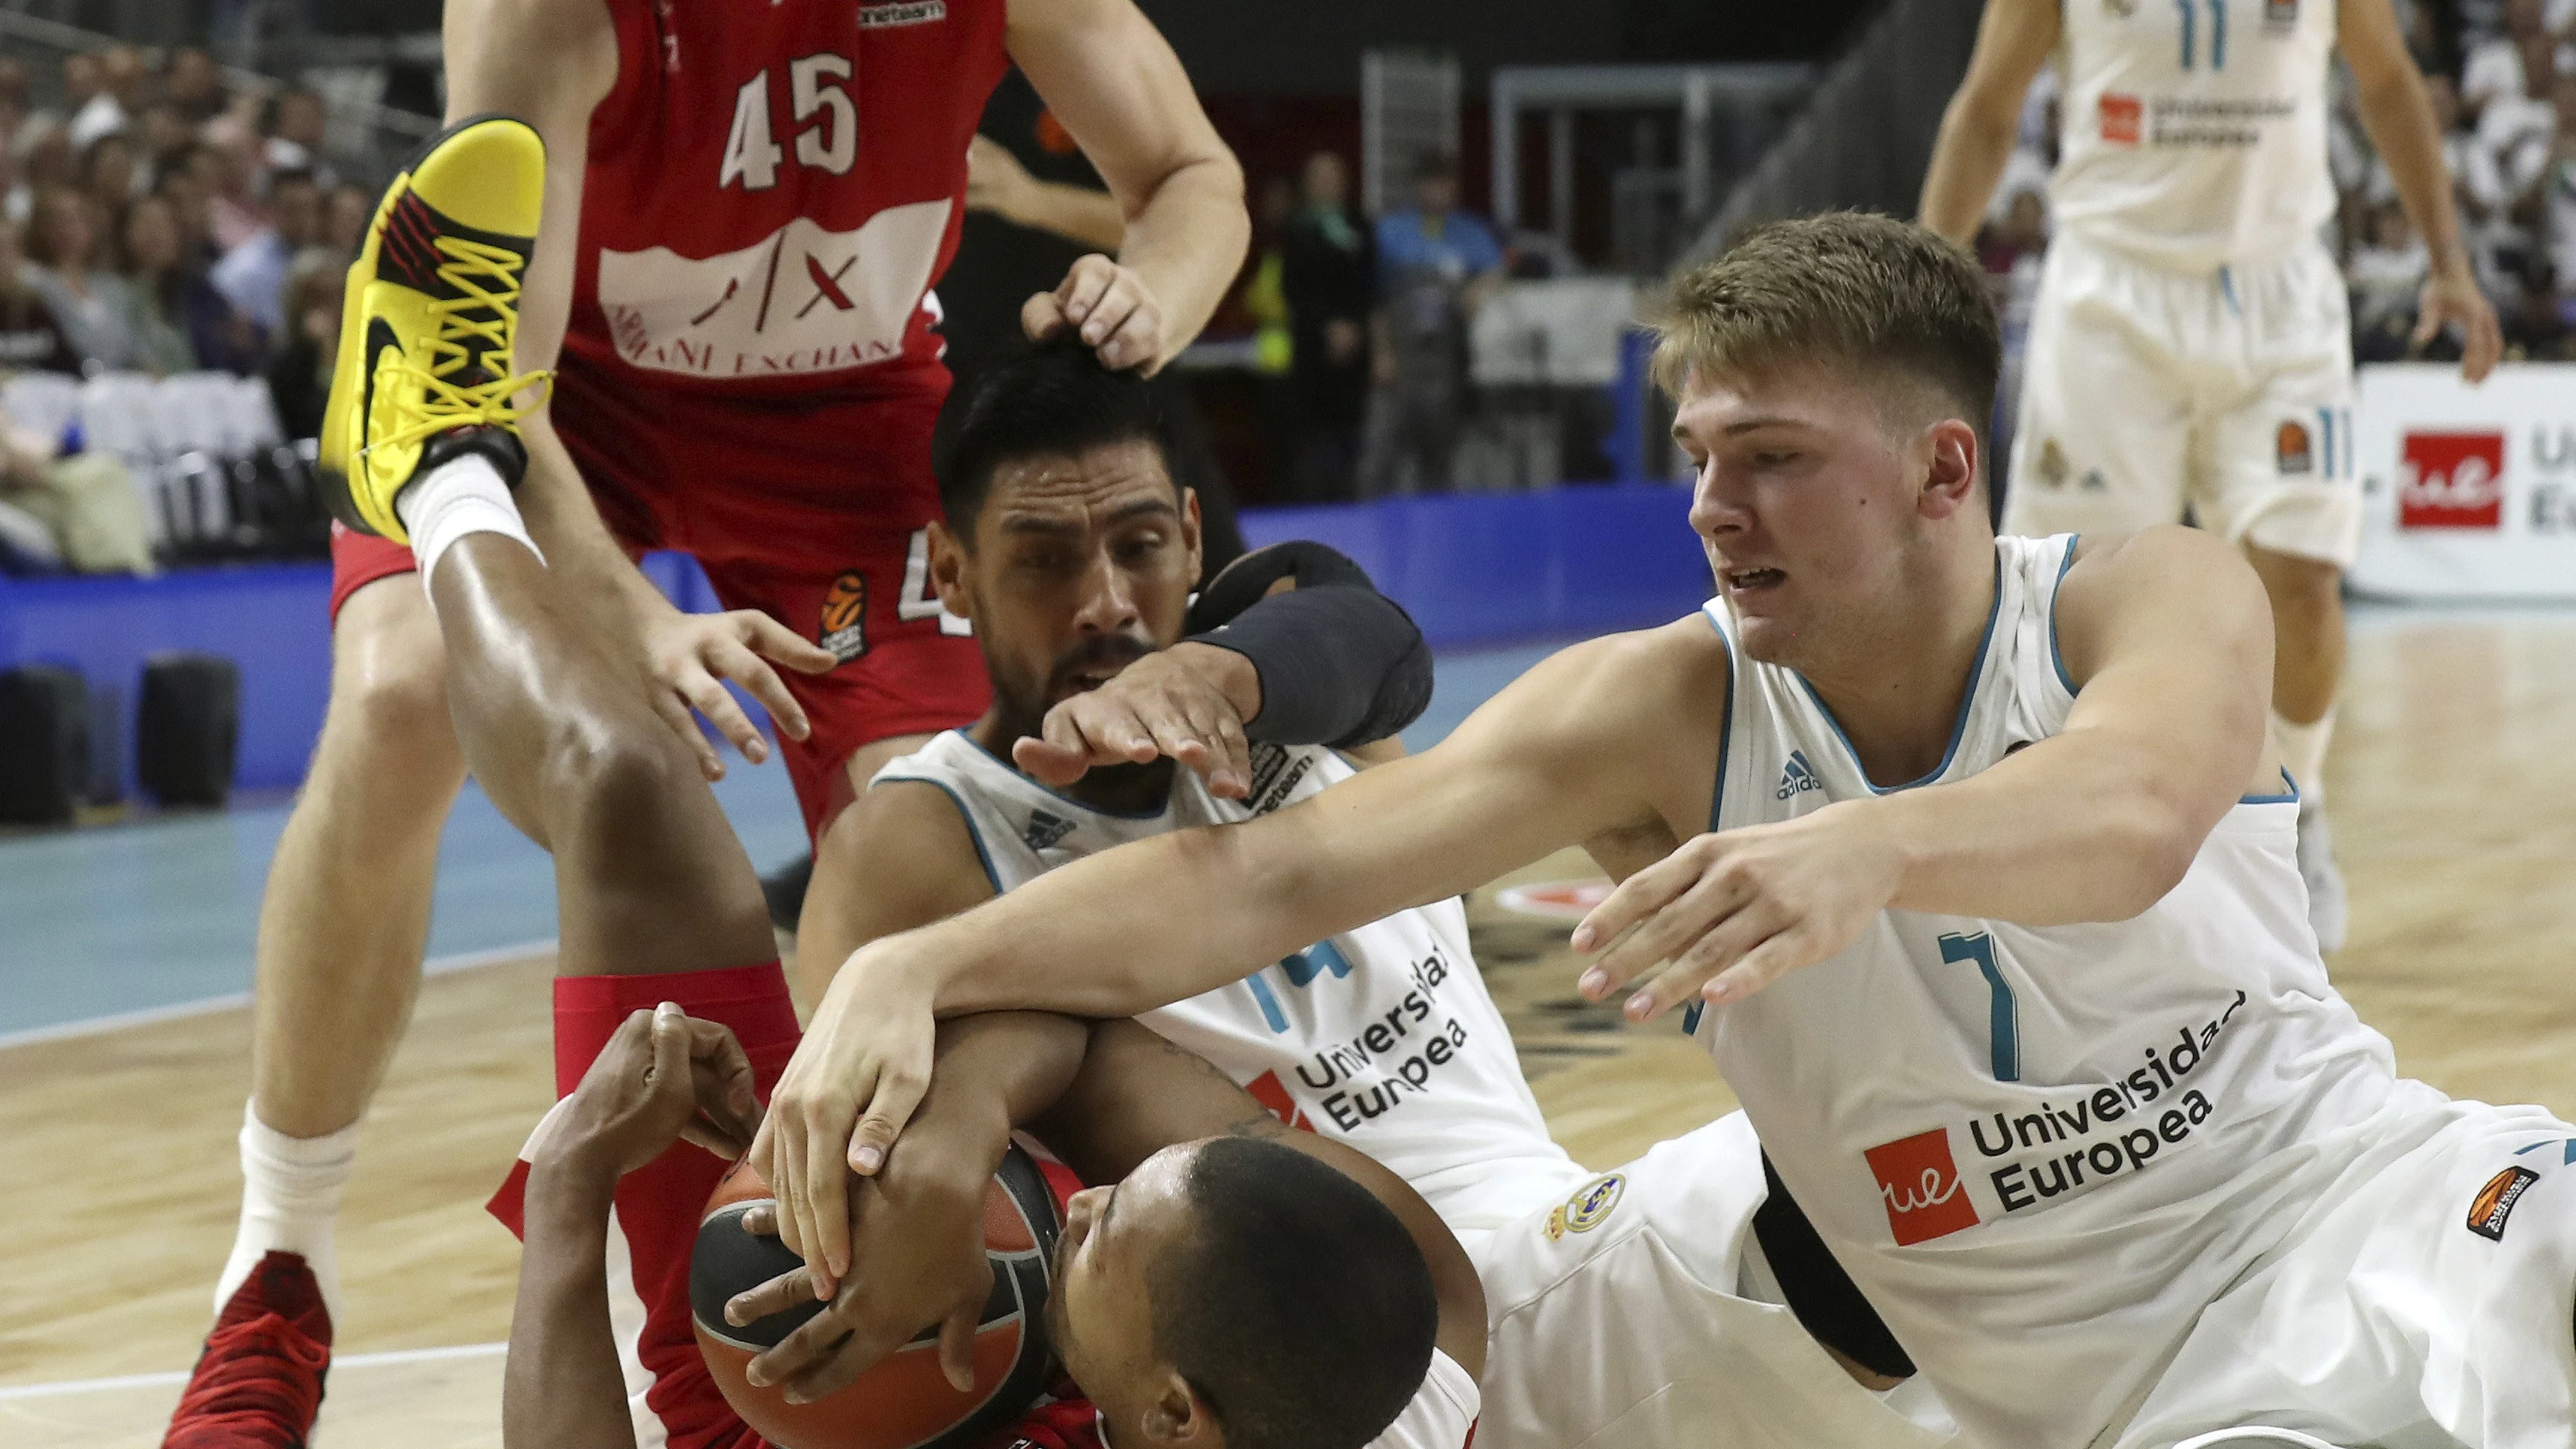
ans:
x=1301 y=970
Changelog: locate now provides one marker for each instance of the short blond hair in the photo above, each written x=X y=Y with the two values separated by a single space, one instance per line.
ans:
x=1845 y=288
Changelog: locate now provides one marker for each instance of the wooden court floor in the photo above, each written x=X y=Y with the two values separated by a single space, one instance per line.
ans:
x=2454 y=790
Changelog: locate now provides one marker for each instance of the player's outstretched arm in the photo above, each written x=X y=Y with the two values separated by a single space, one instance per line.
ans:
x=2399 y=117
x=1574 y=749
x=662 y=1077
x=1108 y=74
x=2014 y=40
x=550 y=63
x=2167 y=639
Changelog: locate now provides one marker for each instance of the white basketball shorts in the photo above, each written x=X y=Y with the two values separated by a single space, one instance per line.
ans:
x=2147 y=391
x=1620 y=1318
x=2428 y=1299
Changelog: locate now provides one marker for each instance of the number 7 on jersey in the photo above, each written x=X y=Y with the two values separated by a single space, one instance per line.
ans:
x=2004 y=1020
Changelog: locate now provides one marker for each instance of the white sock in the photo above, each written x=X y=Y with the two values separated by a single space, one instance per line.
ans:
x=2303 y=754
x=460 y=496
x=290 y=1197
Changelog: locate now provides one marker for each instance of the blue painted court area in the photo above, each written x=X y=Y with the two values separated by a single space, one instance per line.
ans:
x=161 y=913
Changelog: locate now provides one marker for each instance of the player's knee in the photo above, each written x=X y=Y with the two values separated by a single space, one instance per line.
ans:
x=608 y=780
x=388 y=716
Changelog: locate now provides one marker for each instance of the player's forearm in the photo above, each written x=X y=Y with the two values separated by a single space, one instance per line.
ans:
x=1082 y=213
x=1186 y=243
x=2004 y=844
x=1967 y=161
x=562 y=1387
x=2399 y=119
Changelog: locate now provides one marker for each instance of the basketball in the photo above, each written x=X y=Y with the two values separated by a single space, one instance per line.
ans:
x=903 y=1402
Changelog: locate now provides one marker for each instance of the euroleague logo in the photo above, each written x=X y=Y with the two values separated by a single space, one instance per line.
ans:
x=1918 y=1183
x=2451 y=480
x=844 y=628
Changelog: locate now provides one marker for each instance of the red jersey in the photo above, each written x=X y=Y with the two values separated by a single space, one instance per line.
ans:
x=774 y=186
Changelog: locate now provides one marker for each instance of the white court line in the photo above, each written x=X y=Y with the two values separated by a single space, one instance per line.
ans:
x=180 y=1376
x=119 y=1021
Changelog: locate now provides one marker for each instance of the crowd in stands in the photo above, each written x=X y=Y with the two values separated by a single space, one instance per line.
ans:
x=1363 y=329
x=2502 y=79
x=154 y=221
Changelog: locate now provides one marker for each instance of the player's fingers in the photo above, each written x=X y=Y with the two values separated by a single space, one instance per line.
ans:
x=676 y=715
x=1761 y=966
x=672 y=1080
x=1230 y=764
x=1117 y=303
x=1666 y=934
x=1048 y=762
x=1136 y=341
x=773 y=640
x=787 y=1290
x=736 y=662
x=1636 y=898
x=1693 y=967
x=1042 y=316
x=725 y=1074
x=709 y=698
x=823 y=1207
x=1085 y=283
x=899 y=1090
x=2486 y=344
x=957 y=1346
x=838 y=1366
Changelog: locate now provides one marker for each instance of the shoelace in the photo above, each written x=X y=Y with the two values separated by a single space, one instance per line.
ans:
x=488 y=276
x=259 y=1378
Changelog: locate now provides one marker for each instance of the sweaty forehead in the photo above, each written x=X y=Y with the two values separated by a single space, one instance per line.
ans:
x=1087 y=488
x=1815 y=393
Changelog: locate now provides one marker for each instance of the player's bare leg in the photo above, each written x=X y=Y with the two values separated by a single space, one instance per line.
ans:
x=829 y=928
x=648 y=873
x=2307 y=664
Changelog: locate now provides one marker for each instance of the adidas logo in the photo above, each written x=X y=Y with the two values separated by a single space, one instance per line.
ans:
x=1798 y=778
x=1045 y=829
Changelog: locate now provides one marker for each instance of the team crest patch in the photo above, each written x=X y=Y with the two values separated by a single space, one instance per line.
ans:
x=2052 y=465
x=2493 y=1205
x=845 y=617
x=2290 y=448
x=905 y=12
x=1045 y=829
x=2120 y=9
x=2280 y=14
x=1587 y=1209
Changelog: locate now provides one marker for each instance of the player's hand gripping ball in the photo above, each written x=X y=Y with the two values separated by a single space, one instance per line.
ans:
x=903 y=1402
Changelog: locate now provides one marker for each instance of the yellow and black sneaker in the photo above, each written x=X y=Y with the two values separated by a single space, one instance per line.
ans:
x=432 y=312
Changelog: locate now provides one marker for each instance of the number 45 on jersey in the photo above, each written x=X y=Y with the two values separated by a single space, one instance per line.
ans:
x=821 y=114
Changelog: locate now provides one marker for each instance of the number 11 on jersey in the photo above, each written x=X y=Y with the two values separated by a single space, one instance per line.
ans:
x=2217 y=32
x=2004 y=1023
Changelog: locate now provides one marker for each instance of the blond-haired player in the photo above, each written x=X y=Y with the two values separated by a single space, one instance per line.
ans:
x=1978 y=857
x=2191 y=347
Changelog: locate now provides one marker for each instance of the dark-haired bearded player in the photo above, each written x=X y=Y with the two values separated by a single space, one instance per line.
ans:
x=744 y=209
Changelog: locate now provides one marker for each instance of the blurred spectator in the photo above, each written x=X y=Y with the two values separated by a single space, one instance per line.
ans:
x=180 y=321
x=2558 y=210
x=345 y=216
x=195 y=86
x=184 y=185
x=252 y=276
x=107 y=173
x=1328 y=280
x=93 y=304
x=294 y=134
x=299 y=380
x=228 y=161
x=17 y=94
x=109 y=108
x=2386 y=276
x=30 y=338
x=163 y=138
x=2495 y=68
x=45 y=159
x=1435 y=266
x=84 y=83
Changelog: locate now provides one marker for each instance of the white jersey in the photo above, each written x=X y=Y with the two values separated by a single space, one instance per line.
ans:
x=1383 y=1036
x=2041 y=1151
x=2194 y=131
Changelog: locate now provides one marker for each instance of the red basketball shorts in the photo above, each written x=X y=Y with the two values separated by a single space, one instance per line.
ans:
x=813 y=510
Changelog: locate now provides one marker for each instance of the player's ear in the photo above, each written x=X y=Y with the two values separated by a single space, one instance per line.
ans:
x=1950 y=472
x=1179 y=1418
x=948 y=571
x=1193 y=536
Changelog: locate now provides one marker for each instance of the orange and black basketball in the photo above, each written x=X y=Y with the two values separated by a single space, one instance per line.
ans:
x=904 y=1402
